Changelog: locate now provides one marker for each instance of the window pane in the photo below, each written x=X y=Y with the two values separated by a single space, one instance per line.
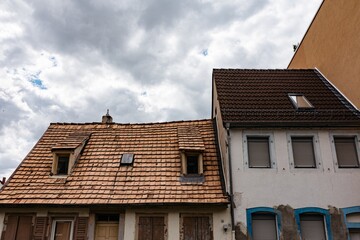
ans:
x=264 y=227
x=258 y=150
x=63 y=163
x=354 y=234
x=312 y=227
x=346 y=152
x=62 y=230
x=192 y=165
x=303 y=150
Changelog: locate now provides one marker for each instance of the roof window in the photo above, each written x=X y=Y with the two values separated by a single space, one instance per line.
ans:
x=300 y=101
x=127 y=159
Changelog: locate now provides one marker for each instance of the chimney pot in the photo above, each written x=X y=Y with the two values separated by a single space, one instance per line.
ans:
x=107 y=118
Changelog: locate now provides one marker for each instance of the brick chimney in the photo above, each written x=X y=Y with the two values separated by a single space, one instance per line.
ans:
x=107 y=118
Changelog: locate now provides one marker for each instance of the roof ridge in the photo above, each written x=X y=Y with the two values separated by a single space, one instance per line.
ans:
x=265 y=69
x=146 y=123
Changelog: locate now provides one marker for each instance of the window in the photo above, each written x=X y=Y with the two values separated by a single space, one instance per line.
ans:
x=346 y=152
x=196 y=227
x=300 y=101
x=62 y=165
x=127 y=159
x=151 y=228
x=264 y=226
x=263 y=223
x=313 y=223
x=192 y=163
x=107 y=226
x=303 y=152
x=258 y=152
x=312 y=226
x=352 y=221
x=18 y=227
x=62 y=229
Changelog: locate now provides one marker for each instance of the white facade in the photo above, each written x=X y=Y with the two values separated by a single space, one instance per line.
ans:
x=282 y=184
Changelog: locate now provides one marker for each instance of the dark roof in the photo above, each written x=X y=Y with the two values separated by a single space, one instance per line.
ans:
x=99 y=178
x=260 y=97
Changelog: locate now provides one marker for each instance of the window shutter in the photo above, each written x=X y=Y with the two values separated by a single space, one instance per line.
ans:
x=11 y=226
x=303 y=151
x=40 y=228
x=264 y=227
x=25 y=228
x=312 y=227
x=258 y=151
x=346 y=152
x=81 y=226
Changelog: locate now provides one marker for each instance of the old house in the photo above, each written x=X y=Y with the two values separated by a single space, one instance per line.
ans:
x=118 y=181
x=331 y=44
x=290 y=143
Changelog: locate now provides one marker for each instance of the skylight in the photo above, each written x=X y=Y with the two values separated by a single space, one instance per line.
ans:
x=127 y=159
x=300 y=101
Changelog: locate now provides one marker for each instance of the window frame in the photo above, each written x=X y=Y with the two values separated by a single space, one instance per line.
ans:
x=316 y=147
x=62 y=219
x=271 y=143
x=263 y=210
x=356 y=137
x=315 y=210
x=166 y=224
x=56 y=156
x=351 y=225
x=295 y=104
x=184 y=163
x=183 y=215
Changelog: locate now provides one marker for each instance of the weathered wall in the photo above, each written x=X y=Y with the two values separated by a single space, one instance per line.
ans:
x=220 y=217
x=332 y=45
x=296 y=188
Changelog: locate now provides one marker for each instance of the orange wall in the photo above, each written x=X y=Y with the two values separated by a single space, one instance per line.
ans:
x=332 y=44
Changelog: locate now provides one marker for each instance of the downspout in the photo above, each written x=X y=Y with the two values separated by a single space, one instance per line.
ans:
x=227 y=126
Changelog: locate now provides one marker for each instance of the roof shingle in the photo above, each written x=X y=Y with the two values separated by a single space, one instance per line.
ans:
x=248 y=96
x=98 y=178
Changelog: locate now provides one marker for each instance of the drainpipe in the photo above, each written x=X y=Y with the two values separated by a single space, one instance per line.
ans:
x=227 y=125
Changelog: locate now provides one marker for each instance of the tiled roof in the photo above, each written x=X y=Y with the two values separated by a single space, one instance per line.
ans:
x=260 y=97
x=98 y=177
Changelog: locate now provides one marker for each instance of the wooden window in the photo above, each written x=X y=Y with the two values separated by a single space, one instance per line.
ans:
x=346 y=152
x=62 y=229
x=258 y=152
x=151 y=228
x=197 y=228
x=303 y=152
x=312 y=226
x=264 y=226
x=18 y=227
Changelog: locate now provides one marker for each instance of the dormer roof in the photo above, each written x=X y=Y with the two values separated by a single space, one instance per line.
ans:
x=262 y=97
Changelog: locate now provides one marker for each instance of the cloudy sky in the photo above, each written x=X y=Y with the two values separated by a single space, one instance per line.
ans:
x=146 y=61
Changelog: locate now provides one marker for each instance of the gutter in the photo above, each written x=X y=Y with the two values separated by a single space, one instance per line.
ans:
x=227 y=126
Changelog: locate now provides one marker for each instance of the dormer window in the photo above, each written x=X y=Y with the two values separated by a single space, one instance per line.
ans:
x=66 y=153
x=192 y=163
x=300 y=101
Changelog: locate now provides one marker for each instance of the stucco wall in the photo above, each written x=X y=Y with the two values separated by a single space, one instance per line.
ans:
x=220 y=217
x=283 y=185
x=332 y=45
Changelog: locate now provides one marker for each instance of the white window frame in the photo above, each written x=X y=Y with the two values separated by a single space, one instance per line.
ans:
x=270 y=135
x=356 y=135
x=316 y=146
x=53 y=226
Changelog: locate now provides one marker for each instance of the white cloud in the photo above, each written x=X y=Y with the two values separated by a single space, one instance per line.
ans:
x=69 y=61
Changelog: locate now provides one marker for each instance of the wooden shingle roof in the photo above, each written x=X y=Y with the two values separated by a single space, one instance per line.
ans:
x=261 y=97
x=99 y=178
